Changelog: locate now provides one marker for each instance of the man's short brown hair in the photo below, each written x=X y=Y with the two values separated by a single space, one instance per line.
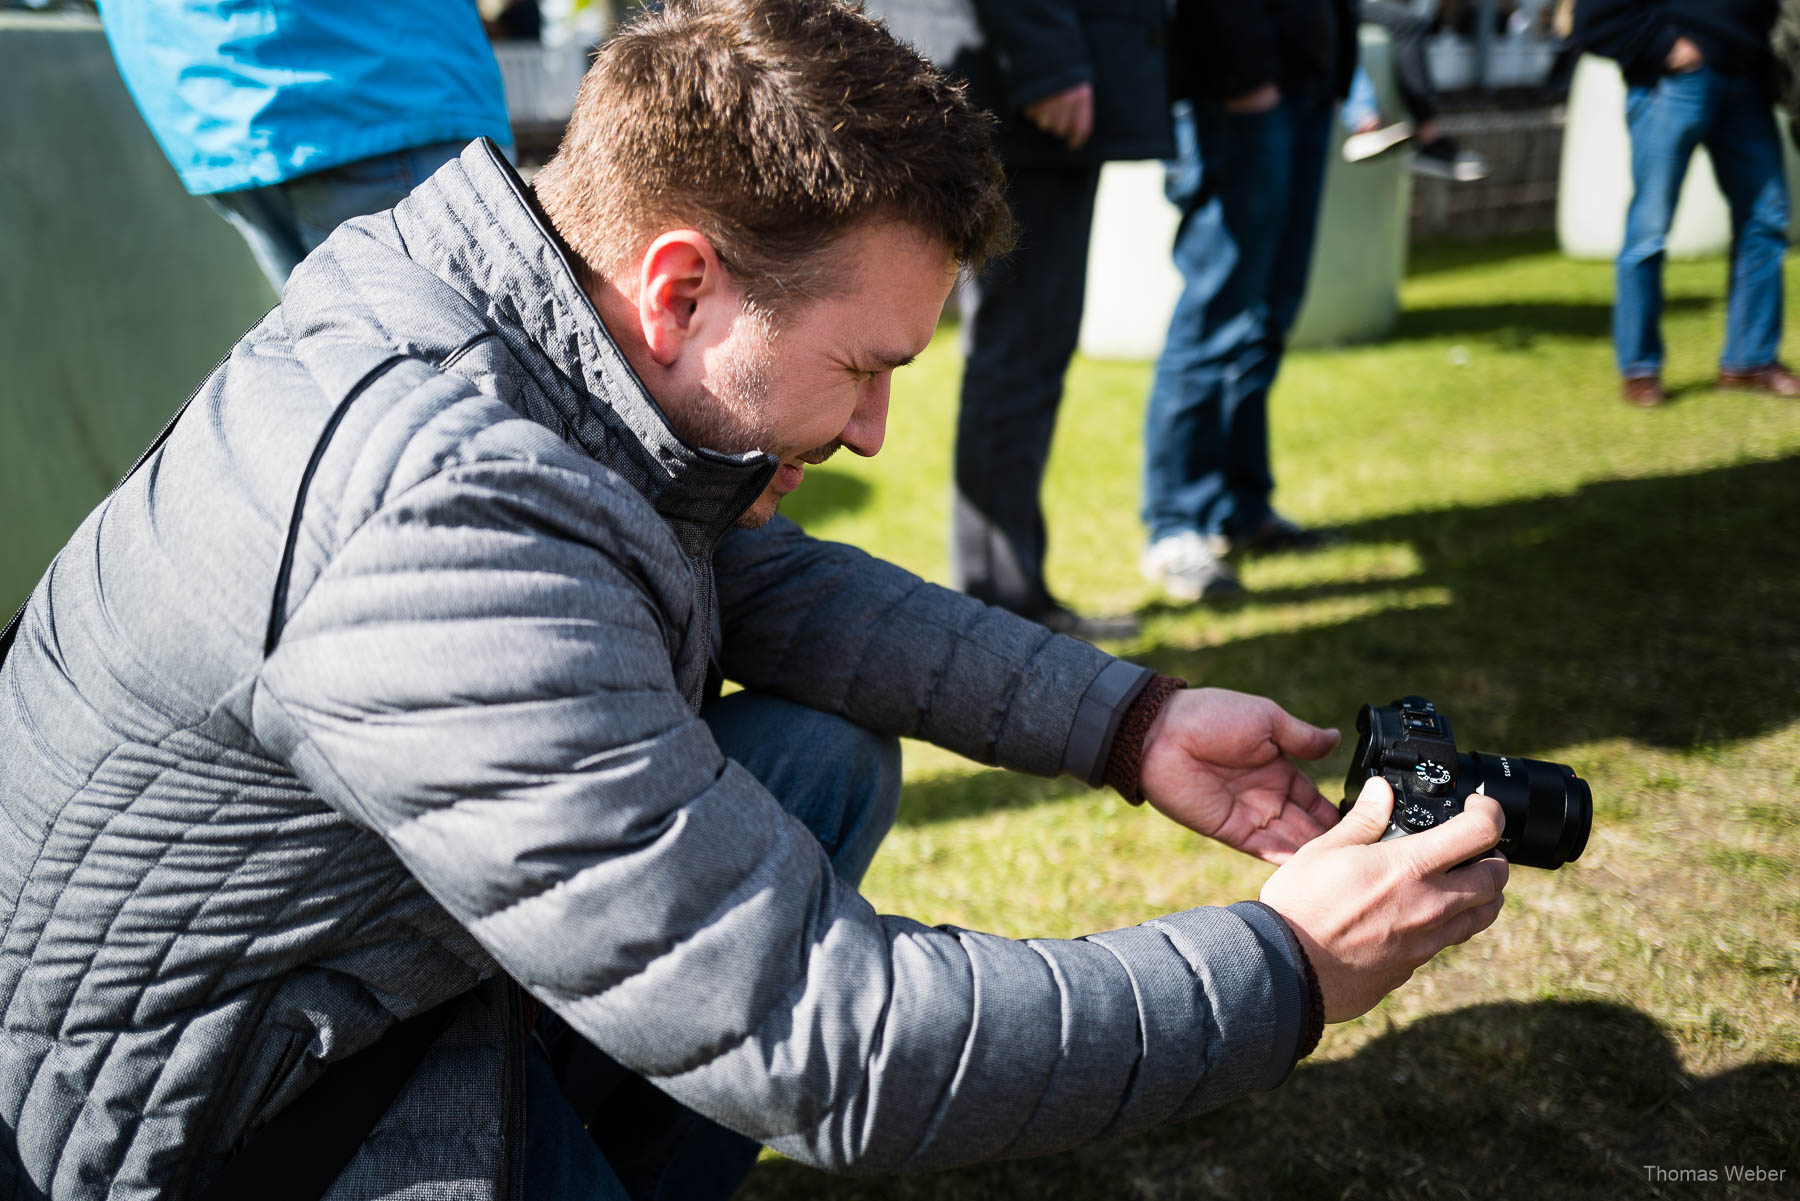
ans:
x=772 y=127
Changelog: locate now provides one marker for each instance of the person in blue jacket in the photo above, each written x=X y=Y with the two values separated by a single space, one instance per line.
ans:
x=292 y=118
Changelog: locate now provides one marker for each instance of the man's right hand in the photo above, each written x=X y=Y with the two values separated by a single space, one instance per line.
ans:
x=1684 y=56
x=1369 y=913
x=1067 y=115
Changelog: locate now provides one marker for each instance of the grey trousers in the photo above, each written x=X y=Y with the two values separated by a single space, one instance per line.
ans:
x=1020 y=321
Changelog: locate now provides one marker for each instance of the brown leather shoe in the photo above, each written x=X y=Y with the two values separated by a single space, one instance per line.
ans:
x=1775 y=380
x=1644 y=391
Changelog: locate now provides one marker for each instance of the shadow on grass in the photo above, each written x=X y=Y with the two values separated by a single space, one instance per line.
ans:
x=1520 y=323
x=1436 y=258
x=824 y=492
x=1559 y=1100
x=1660 y=610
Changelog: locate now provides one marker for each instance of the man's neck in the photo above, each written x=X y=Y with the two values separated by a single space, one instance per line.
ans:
x=618 y=313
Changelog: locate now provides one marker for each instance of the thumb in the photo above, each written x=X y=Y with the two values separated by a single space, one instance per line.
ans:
x=1366 y=821
x=1301 y=739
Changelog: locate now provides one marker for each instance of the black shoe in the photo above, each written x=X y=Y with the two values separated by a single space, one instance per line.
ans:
x=1276 y=533
x=1059 y=620
x=1442 y=159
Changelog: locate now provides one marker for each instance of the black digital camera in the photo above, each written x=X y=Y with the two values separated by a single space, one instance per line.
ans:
x=1549 y=809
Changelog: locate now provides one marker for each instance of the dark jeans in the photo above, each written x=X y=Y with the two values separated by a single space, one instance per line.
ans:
x=1406 y=40
x=843 y=783
x=1020 y=320
x=1248 y=186
x=1731 y=117
x=283 y=222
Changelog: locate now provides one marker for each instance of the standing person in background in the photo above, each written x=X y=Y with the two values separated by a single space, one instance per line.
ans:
x=292 y=118
x=1786 y=44
x=1074 y=83
x=1435 y=153
x=1255 y=86
x=1698 y=73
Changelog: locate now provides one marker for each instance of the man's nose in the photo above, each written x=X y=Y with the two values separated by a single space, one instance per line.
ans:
x=868 y=423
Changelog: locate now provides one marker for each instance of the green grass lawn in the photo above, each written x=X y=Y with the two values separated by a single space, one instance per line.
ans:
x=1570 y=579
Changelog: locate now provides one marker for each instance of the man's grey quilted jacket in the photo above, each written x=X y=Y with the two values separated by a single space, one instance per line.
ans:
x=276 y=775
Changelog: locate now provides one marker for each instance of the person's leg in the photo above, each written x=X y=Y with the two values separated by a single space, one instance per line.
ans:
x=264 y=218
x=1290 y=229
x=1412 y=71
x=1362 y=108
x=561 y=1161
x=1745 y=146
x=840 y=780
x=1020 y=318
x=283 y=222
x=843 y=784
x=326 y=199
x=1309 y=137
x=1666 y=122
x=1228 y=180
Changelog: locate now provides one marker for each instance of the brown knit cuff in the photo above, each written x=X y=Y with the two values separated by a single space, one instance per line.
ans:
x=1314 y=1029
x=1315 y=1006
x=1126 y=757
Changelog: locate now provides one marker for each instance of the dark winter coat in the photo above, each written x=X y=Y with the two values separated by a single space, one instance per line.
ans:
x=1733 y=35
x=1223 y=48
x=1016 y=52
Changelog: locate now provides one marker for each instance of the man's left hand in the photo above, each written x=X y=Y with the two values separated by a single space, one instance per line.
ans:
x=1217 y=762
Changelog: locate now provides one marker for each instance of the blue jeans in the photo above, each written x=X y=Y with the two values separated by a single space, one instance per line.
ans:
x=283 y=222
x=1732 y=118
x=1248 y=186
x=843 y=783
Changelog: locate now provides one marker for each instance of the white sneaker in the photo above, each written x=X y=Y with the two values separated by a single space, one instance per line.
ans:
x=1367 y=144
x=1187 y=569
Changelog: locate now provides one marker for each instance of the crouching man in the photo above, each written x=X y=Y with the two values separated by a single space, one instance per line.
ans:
x=373 y=825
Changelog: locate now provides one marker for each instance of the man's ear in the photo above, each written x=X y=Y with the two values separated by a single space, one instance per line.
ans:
x=680 y=279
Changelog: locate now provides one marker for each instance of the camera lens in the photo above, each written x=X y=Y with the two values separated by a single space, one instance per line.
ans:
x=1549 y=809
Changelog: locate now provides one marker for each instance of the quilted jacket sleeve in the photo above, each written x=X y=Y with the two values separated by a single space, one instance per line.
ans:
x=832 y=627
x=480 y=674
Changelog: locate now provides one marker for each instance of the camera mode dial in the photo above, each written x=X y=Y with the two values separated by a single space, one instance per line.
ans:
x=1418 y=817
x=1432 y=777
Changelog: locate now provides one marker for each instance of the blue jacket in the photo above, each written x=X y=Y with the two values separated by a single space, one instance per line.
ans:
x=247 y=93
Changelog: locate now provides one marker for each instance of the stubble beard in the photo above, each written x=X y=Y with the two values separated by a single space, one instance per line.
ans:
x=730 y=415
